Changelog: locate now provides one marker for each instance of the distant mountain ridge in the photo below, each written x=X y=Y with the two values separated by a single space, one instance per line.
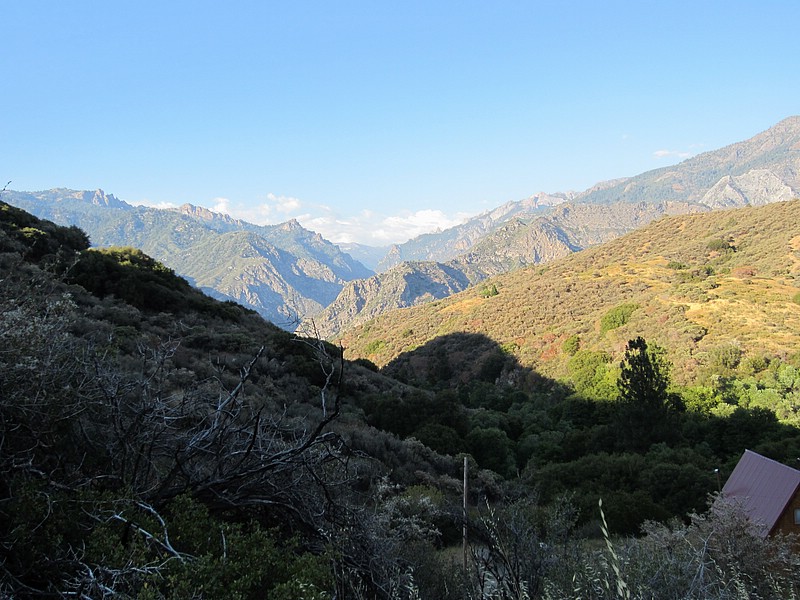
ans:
x=695 y=284
x=763 y=169
x=766 y=163
x=448 y=244
x=568 y=228
x=287 y=272
x=758 y=171
x=282 y=271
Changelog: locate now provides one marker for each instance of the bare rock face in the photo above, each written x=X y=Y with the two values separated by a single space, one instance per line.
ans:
x=202 y=214
x=447 y=245
x=754 y=188
x=408 y=284
x=100 y=198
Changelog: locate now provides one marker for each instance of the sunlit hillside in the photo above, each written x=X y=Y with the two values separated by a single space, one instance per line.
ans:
x=697 y=285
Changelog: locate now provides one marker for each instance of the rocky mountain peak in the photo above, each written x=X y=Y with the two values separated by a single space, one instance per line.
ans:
x=197 y=211
x=789 y=125
x=100 y=198
x=204 y=214
x=545 y=199
x=291 y=225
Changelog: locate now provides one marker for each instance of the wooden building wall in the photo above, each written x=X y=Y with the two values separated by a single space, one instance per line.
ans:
x=786 y=522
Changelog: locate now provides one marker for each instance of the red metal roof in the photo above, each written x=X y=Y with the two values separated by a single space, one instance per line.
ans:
x=764 y=487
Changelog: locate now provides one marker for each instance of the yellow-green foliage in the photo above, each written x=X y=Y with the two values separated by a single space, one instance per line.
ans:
x=572 y=344
x=713 y=298
x=617 y=317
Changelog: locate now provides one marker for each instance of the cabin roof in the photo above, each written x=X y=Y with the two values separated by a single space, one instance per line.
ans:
x=764 y=487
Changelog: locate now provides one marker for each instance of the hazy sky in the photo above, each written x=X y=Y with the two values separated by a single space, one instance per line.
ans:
x=376 y=121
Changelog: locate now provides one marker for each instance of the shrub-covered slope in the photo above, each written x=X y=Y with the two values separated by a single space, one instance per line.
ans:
x=568 y=228
x=539 y=355
x=157 y=443
x=694 y=284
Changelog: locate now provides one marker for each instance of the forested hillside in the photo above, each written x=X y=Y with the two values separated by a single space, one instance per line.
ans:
x=157 y=443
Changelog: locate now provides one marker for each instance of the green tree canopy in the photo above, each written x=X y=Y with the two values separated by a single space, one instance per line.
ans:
x=643 y=385
x=644 y=375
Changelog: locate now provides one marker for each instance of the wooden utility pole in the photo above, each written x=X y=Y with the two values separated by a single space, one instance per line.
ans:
x=464 y=516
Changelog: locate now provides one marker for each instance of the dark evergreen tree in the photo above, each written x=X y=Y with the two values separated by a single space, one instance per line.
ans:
x=645 y=411
x=644 y=376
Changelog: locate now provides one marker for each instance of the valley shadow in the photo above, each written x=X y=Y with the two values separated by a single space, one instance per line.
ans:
x=459 y=360
x=541 y=437
x=464 y=388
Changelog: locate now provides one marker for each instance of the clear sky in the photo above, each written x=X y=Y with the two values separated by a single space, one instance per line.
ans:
x=375 y=121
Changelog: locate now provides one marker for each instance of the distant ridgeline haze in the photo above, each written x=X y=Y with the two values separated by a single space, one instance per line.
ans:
x=289 y=274
x=284 y=272
x=160 y=443
x=761 y=170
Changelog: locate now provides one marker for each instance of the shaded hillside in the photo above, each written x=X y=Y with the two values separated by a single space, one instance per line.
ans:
x=649 y=453
x=713 y=301
x=281 y=271
x=159 y=443
x=697 y=284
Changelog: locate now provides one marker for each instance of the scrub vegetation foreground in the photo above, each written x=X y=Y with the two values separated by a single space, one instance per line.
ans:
x=157 y=443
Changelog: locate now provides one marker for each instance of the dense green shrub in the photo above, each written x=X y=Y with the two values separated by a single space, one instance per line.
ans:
x=492 y=366
x=37 y=238
x=488 y=291
x=375 y=346
x=617 y=317
x=592 y=374
x=571 y=345
x=201 y=555
x=720 y=245
x=724 y=358
x=492 y=449
x=130 y=275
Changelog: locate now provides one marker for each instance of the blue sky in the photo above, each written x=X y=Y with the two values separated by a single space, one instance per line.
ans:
x=377 y=121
